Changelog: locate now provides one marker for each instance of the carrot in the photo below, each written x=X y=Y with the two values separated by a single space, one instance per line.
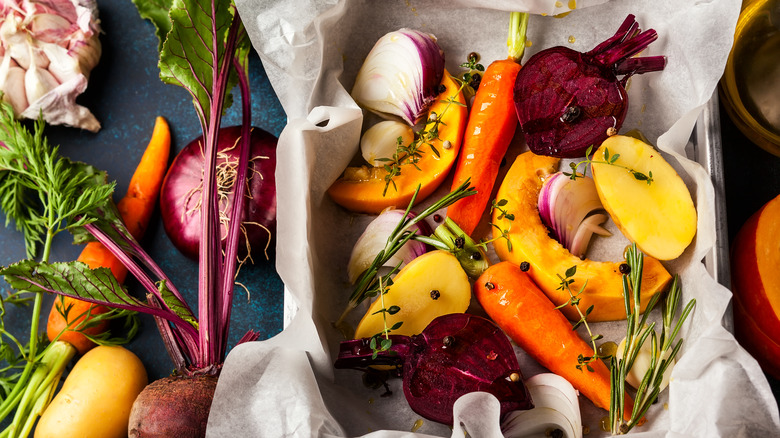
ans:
x=524 y=312
x=491 y=127
x=136 y=208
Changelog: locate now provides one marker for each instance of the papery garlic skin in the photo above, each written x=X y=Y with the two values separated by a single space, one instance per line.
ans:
x=49 y=48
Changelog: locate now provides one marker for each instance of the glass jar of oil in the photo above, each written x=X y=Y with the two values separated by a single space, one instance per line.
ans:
x=750 y=87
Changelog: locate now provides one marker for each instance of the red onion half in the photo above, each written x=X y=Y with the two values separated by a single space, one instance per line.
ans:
x=572 y=211
x=180 y=196
x=401 y=75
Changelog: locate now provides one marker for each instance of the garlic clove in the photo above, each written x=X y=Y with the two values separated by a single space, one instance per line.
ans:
x=51 y=28
x=87 y=51
x=63 y=66
x=381 y=141
x=12 y=82
x=38 y=82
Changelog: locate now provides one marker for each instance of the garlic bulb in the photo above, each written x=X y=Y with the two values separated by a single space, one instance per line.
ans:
x=381 y=141
x=48 y=49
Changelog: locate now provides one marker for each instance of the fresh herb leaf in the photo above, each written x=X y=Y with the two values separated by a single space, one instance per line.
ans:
x=77 y=280
x=32 y=168
x=195 y=49
x=156 y=11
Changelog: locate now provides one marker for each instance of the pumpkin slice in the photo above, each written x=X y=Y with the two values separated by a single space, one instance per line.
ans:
x=531 y=243
x=362 y=189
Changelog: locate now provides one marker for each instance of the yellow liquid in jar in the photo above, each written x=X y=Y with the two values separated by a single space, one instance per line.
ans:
x=758 y=79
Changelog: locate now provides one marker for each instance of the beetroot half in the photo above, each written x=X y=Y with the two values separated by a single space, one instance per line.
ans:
x=174 y=406
x=456 y=354
x=567 y=101
x=180 y=195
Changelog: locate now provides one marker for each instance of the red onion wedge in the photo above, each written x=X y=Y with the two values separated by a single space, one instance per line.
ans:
x=374 y=239
x=401 y=75
x=567 y=101
x=456 y=354
x=572 y=210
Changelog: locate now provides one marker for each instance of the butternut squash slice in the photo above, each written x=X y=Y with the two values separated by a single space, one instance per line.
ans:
x=360 y=189
x=547 y=258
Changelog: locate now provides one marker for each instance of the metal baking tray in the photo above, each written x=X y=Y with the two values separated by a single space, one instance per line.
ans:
x=707 y=149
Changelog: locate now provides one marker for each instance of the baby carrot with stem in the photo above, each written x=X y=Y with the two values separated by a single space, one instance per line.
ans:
x=491 y=127
x=67 y=318
x=514 y=302
x=73 y=325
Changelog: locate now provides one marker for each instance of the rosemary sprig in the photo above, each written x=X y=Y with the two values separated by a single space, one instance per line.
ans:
x=609 y=160
x=574 y=301
x=663 y=351
x=368 y=282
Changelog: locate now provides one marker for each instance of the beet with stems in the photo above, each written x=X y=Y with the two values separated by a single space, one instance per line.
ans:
x=456 y=354
x=567 y=101
x=180 y=197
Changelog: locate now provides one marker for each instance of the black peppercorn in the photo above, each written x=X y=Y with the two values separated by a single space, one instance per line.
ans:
x=525 y=266
x=624 y=268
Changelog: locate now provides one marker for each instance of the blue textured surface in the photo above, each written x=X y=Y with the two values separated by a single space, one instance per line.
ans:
x=126 y=94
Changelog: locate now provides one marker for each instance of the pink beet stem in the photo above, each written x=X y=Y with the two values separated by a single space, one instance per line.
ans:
x=628 y=29
x=647 y=64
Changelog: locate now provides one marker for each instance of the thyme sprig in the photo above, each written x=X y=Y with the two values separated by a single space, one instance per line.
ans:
x=504 y=214
x=368 y=283
x=663 y=350
x=411 y=154
x=574 y=300
x=381 y=341
x=610 y=160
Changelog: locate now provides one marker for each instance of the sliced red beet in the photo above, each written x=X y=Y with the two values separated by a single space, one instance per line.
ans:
x=455 y=355
x=567 y=101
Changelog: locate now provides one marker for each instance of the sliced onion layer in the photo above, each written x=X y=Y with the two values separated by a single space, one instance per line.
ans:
x=374 y=239
x=401 y=75
x=572 y=210
x=555 y=408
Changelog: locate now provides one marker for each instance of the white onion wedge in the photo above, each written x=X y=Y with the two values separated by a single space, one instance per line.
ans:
x=374 y=239
x=555 y=407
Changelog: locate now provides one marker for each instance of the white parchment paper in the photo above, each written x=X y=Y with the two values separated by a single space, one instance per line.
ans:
x=311 y=50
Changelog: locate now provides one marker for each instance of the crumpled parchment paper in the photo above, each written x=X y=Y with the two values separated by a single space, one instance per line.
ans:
x=311 y=50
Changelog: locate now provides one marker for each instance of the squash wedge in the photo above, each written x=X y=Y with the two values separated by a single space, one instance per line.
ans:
x=548 y=259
